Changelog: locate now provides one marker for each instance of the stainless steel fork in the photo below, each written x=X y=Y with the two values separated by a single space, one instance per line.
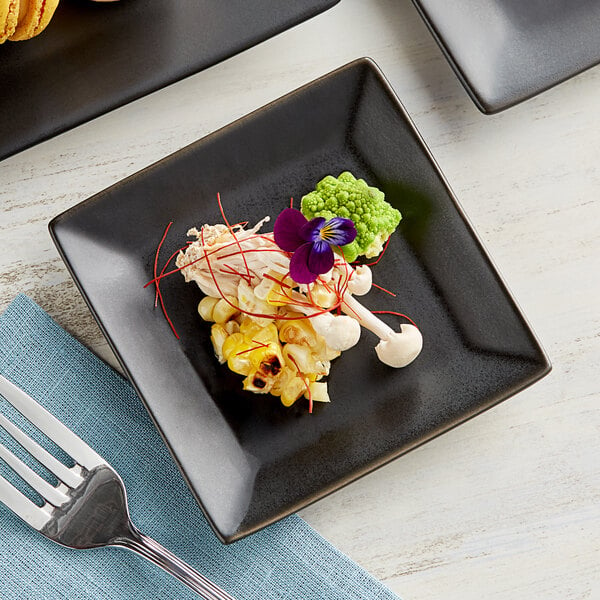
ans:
x=88 y=508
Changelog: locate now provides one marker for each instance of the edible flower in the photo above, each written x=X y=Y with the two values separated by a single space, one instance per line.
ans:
x=311 y=242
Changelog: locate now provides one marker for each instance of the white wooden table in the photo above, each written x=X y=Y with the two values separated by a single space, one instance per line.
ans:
x=507 y=505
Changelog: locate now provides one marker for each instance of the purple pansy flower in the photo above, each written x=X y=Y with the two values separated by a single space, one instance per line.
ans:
x=311 y=242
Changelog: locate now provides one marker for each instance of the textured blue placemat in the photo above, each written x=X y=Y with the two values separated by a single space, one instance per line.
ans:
x=286 y=561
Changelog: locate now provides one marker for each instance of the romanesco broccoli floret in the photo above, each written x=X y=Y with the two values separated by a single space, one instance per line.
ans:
x=374 y=218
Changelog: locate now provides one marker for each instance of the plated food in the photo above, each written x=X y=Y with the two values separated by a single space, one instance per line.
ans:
x=276 y=299
x=248 y=461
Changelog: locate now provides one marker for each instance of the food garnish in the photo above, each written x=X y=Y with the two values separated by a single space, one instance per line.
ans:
x=311 y=242
x=276 y=299
x=345 y=196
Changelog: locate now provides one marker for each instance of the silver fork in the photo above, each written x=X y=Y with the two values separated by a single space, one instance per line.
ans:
x=88 y=508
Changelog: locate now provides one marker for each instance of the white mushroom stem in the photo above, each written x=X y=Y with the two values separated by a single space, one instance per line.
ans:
x=395 y=349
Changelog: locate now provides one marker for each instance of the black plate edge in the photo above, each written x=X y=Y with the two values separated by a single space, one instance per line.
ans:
x=485 y=105
x=152 y=89
x=545 y=364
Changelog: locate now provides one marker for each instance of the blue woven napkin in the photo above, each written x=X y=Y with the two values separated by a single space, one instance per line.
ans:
x=286 y=561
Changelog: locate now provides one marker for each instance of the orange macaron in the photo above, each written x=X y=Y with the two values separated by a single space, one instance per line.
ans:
x=9 y=15
x=34 y=15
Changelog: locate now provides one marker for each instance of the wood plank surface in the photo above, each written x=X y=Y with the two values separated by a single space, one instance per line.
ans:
x=507 y=505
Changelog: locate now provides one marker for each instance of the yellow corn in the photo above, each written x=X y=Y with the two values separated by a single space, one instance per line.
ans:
x=292 y=391
x=233 y=342
x=223 y=310
x=266 y=334
x=282 y=380
x=298 y=332
x=239 y=363
x=323 y=297
x=258 y=383
x=249 y=303
x=302 y=359
x=318 y=392
x=218 y=336
x=232 y=327
x=249 y=327
x=277 y=295
x=206 y=307
x=288 y=313
x=267 y=360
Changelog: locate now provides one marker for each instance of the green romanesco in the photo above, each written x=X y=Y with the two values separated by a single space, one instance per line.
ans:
x=374 y=218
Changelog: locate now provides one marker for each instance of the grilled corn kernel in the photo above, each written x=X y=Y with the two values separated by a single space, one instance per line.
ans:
x=267 y=360
x=249 y=327
x=267 y=334
x=282 y=380
x=318 y=392
x=274 y=289
x=322 y=296
x=239 y=363
x=232 y=327
x=292 y=391
x=302 y=359
x=234 y=342
x=206 y=307
x=218 y=336
x=223 y=310
x=258 y=383
x=298 y=332
x=289 y=315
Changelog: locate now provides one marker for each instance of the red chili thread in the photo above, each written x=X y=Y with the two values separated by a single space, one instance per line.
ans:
x=384 y=290
x=232 y=232
x=397 y=314
x=162 y=241
x=305 y=382
x=233 y=271
x=260 y=345
x=158 y=295
x=381 y=255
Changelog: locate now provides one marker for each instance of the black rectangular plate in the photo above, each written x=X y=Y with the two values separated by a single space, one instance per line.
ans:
x=248 y=459
x=506 y=51
x=96 y=56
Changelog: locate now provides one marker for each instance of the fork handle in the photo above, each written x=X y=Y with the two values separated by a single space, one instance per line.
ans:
x=150 y=549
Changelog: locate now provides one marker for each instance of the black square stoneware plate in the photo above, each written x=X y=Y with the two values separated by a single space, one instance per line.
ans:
x=248 y=459
x=95 y=56
x=505 y=51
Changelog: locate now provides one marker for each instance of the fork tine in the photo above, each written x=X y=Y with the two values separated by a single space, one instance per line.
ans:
x=22 y=506
x=44 y=457
x=50 y=425
x=41 y=486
